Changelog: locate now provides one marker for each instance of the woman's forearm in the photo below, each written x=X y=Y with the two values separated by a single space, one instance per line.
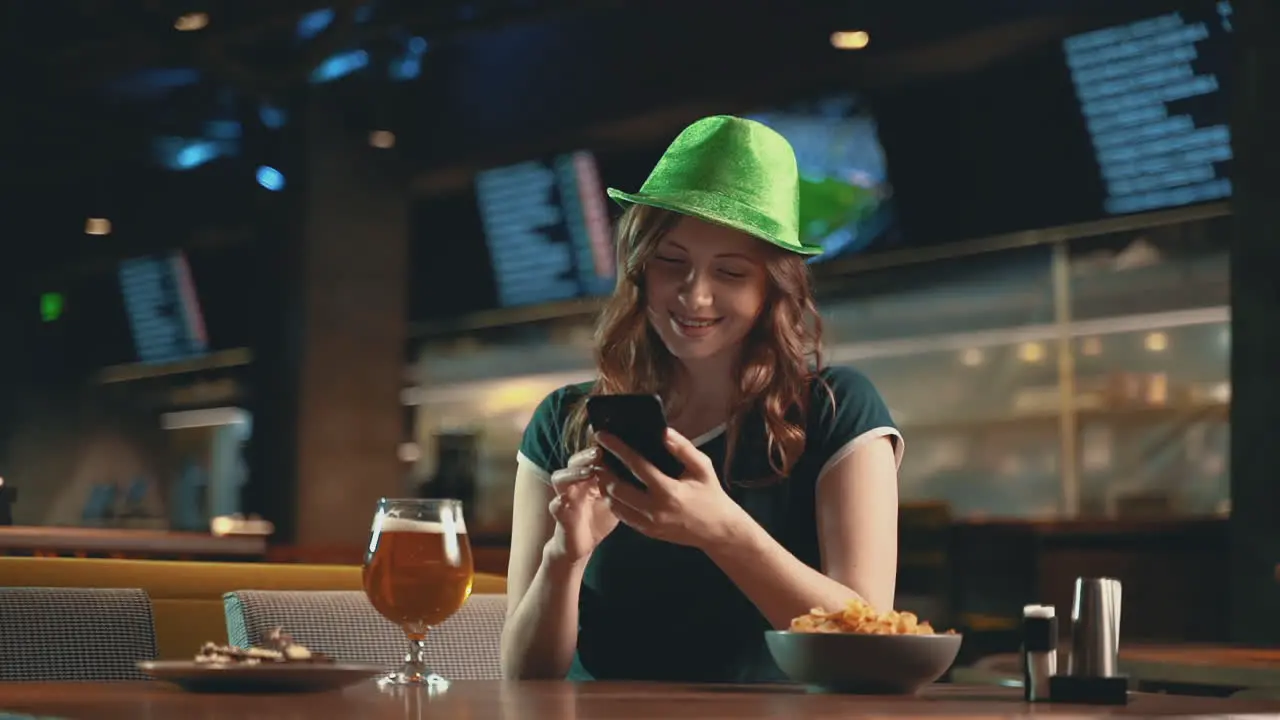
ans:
x=541 y=635
x=777 y=582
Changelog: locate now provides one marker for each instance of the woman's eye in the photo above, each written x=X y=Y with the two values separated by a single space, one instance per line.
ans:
x=659 y=258
x=733 y=274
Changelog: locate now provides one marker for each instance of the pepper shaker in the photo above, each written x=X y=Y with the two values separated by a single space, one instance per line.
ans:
x=1039 y=651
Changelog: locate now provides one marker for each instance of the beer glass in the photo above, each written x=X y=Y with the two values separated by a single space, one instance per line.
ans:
x=418 y=572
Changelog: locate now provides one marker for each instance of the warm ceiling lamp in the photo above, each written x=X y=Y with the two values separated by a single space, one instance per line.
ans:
x=850 y=39
x=382 y=139
x=1031 y=353
x=1156 y=342
x=97 y=226
x=191 y=21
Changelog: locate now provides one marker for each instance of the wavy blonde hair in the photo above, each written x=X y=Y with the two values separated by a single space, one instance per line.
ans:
x=780 y=357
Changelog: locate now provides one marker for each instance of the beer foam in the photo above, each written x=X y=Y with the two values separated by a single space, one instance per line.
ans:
x=426 y=527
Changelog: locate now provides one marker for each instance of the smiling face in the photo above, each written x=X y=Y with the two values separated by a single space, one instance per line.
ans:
x=705 y=286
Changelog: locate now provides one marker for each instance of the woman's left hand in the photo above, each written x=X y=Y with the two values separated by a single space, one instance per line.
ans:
x=692 y=510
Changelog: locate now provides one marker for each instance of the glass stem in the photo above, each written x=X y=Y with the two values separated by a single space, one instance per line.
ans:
x=417 y=655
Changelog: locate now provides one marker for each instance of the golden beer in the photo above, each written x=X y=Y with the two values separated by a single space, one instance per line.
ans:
x=418 y=573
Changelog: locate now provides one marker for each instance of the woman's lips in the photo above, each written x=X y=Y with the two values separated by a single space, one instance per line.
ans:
x=692 y=327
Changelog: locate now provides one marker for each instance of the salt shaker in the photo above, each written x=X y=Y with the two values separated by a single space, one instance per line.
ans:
x=1039 y=651
x=1093 y=674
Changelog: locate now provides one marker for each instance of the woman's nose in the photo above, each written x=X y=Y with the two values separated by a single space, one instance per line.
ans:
x=696 y=291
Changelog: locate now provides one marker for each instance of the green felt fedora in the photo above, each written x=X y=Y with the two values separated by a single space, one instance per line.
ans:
x=731 y=171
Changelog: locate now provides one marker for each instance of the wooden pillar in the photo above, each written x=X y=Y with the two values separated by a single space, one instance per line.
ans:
x=1255 y=308
x=332 y=365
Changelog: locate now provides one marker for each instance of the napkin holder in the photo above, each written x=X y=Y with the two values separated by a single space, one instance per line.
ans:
x=1093 y=676
x=1081 y=690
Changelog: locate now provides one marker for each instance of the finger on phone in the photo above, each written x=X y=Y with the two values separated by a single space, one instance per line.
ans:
x=605 y=475
x=583 y=457
x=563 y=480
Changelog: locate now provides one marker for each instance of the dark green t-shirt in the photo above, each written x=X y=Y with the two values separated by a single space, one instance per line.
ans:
x=651 y=610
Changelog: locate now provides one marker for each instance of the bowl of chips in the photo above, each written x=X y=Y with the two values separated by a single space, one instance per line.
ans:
x=860 y=650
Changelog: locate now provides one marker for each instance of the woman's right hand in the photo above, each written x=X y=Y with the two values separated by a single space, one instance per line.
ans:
x=583 y=519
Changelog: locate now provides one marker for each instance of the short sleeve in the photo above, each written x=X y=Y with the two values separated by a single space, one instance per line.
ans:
x=542 y=448
x=848 y=412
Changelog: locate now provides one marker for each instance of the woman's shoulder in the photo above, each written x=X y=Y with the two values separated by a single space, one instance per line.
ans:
x=557 y=404
x=843 y=381
x=839 y=386
x=845 y=406
x=543 y=444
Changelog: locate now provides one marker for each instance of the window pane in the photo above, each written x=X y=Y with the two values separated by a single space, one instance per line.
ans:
x=981 y=426
x=990 y=291
x=1156 y=270
x=1153 y=416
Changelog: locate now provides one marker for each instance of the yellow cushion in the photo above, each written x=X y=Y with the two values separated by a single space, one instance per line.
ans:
x=186 y=597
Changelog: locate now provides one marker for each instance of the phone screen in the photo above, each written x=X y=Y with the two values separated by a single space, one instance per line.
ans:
x=641 y=423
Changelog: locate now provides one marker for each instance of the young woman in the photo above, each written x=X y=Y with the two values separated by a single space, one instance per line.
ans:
x=789 y=500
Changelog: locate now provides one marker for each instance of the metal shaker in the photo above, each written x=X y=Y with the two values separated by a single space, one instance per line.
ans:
x=1095 y=628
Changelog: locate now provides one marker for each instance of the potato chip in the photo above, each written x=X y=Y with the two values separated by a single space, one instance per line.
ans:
x=858 y=617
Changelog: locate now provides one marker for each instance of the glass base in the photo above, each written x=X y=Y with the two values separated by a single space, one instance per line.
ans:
x=409 y=676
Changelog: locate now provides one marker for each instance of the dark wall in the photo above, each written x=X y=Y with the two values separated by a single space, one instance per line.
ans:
x=1255 y=331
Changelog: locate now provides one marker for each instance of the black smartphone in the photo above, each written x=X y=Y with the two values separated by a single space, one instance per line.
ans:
x=639 y=421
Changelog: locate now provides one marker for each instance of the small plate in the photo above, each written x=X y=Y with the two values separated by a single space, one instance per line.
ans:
x=264 y=678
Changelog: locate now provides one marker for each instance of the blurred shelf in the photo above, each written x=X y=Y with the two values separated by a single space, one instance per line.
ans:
x=1047 y=332
x=458 y=378
x=48 y=541
x=1205 y=410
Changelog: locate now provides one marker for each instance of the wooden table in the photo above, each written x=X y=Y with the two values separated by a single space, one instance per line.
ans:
x=1203 y=665
x=553 y=700
x=1190 y=668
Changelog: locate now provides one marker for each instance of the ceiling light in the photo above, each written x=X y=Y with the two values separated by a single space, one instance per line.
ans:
x=191 y=22
x=409 y=452
x=97 y=226
x=850 y=39
x=1031 y=353
x=1156 y=342
x=383 y=139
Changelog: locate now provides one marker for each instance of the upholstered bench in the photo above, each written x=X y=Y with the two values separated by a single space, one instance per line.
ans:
x=88 y=634
x=345 y=626
x=187 y=596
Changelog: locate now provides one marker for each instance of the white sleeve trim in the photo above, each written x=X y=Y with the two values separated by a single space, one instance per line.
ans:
x=523 y=461
x=847 y=449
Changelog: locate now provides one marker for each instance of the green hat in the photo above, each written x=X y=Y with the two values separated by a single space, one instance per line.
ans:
x=732 y=172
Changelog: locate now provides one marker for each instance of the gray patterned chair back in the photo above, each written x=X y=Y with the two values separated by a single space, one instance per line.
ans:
x=343 y=625
x=88 y=634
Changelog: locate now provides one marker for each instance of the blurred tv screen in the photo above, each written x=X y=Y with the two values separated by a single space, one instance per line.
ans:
x=1119 y=120
x=846 y=201
x=523 y=234
x=546 y=229
x=156 y=308
x=1151 y=93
